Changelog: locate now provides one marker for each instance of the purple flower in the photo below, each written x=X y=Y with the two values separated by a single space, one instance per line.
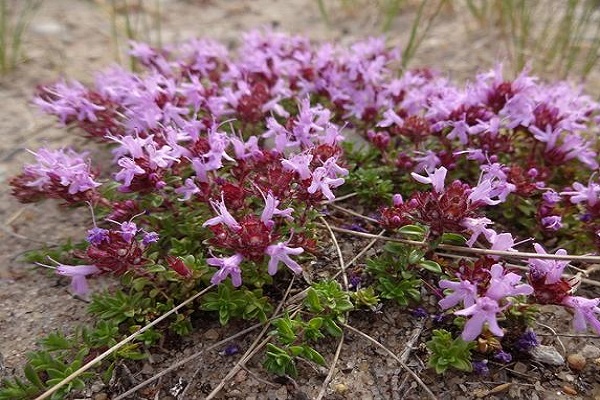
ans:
x=551 y=198
x=160 y=157
x=68 y=166
x=551 y=269
x=97 y=235
x=128 y=170
x=502 y=241
x=244 y=150
x=230 y=266
x=463 y=291
x=485 y=310
x=586 y=311
x=128 y=230
x=78 y=274
x=322 y=182
x=419 y=312
x=481 y=367
x=552 y=222
x=300 y=164
x=390 y=118
x=150 y=237
x=271 y=210
x=581 y=193
x=354 y=281
x=483 y=193
x=397 y=200
x=280 y=252
x=503 y=357
x=476 y=227
x=527 y=341
x=223 y=217
x=231 y=350
x=188 y=189
x=436 y=179
x=505 y=284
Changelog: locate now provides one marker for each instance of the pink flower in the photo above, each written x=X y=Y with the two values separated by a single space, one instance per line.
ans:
x=463 y=291
x=271 y=210
x=436 y=179
x=586 y=311
x=483 y=193
x=299 y=163
x=229 y=266
x=477 y=226
x=505 y=284
x=551 y=269
x=223 y=217
x=280 y=252
x=502 y=242
x=128 y=171
x=188 y=189
x=484 y=310
x=322 y=182
x=78 y=274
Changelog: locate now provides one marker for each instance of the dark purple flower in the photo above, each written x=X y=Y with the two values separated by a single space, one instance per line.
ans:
x=97 y=235
x=355 y=281
x=231 y=350
x=503 y=357
x=480 y=367
x=150 y=237
x=527 y=341
x=438 y=318
x=419 y=313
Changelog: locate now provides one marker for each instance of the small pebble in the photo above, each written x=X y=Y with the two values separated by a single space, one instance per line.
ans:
x=590 y=351
x=576 y=361
x=520 y=367
x=569 y=390
x=340 y=388
x=235 y=394
x=101 y=396
x=147 y=369
x=211 y=334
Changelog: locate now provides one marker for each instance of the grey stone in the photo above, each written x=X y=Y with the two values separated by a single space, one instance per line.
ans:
x=547 y=355
x=590 y=351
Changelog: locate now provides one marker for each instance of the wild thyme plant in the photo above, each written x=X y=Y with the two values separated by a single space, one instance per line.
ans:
x=222 y=163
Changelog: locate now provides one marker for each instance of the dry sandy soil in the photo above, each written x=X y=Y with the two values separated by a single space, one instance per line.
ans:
x=72 y=38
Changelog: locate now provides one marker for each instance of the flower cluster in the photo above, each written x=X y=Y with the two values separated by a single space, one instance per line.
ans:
x=484 y=299
x=222 y=159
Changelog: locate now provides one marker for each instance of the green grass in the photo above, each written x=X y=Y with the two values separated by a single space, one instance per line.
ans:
x=134 y=20
x=15 y=17
x=559 y=38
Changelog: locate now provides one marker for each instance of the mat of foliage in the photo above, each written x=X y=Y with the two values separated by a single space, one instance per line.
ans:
x=232 y=177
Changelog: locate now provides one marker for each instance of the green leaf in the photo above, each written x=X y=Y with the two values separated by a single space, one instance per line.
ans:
x=316 y=323
x=413 y=230
x=33 y=376
x=295 y=351
x=431 y=266
x=156 y=268
x=313 y=355
x=332 y=328
x=453 y=238
x=312 y=300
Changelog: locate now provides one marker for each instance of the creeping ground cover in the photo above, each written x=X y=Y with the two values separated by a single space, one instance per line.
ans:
x=220 y=184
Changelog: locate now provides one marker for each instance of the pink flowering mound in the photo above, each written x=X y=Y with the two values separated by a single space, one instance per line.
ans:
x=223 y=162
